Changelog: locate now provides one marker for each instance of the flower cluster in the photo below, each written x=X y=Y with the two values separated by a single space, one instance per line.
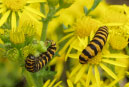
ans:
x=87 y=55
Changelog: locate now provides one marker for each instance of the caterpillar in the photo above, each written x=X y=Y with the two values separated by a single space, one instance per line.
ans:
x=34 y=64
x=95 y=45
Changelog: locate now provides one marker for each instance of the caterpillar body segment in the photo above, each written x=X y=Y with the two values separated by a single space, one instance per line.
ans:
x=34 y=64
x=95 y=45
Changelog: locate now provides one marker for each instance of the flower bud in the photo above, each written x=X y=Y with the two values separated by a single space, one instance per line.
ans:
x=66 y=3
x=28 y=50
x=53 y=2
x=13 y=54
x=40 y=46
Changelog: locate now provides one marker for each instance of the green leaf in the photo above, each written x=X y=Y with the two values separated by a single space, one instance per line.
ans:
x=85 y=10
x=95 y=4
x=64 y=27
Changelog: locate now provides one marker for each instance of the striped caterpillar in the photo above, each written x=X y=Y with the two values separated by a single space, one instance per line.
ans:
x=95 y=45
x=34 y=64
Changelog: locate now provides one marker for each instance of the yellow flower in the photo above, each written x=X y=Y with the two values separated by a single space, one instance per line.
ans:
x=50 y=83
x=14 y=7
x=79 y=33
x=119 y=37
x=102 y=58
x=82 y=30
x=17 y=37
x=80 y=70
x=29 y=26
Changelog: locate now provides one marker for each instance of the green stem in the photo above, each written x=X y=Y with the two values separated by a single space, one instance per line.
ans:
x=29 y=78
x=44 y=30
x=42 y=8
x=127 y=50
x=50 y=15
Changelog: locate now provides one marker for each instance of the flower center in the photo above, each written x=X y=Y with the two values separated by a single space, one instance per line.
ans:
x=84 y=26
x=118 y=42
x=96 y=59
x=14 y=4
x=119 y=38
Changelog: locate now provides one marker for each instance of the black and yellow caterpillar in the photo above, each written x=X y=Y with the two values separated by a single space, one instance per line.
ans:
x=34 y=64
x=95 y=45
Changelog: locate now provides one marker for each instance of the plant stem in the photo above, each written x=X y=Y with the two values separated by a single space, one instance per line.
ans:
x=44 y=30
x=29 y=78
x=51 y=13
x=127 y=50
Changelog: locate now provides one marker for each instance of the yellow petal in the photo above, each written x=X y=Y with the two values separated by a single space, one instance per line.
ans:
x=97 y=76
x=83 y=82
x=108 y=71
x=34 y=11
x=33 y=18
x=59 y=69
x=4 y=17
x=74 y=71
x=76 y=46
x=114 y=62
x=82 y=42
x=19 y=14
x=69 y=30
x=73 y=55
x=69 y=83
x=78 y=85
x=80 y=73
x=57 y=84
x=46 y=83
x=2 y=9
x=88 y=76
x=127 y=85
x=51 y=84
x=116 y=56
x=115 y=81
x=127 y=73
x=13 y=20
x=66 y=45
x=68 y=51
x=65 y=37
x=35 y=1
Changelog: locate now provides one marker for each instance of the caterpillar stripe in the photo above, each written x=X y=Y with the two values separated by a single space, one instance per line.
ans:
x=34 y=64
x=95 y=46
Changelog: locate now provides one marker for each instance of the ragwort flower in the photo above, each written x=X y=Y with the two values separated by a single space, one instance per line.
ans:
x=99 y=61
x=78 y=33
x=15 y=9
x=119 y=37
